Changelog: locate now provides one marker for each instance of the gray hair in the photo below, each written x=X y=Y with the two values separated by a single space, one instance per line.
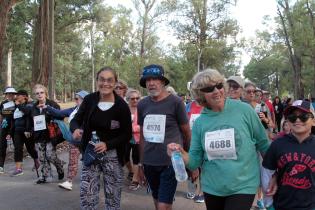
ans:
x=171 y=90
x=203 y=79
x=130 y=91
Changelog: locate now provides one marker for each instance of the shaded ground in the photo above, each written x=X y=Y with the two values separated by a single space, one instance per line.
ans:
x=21 y=193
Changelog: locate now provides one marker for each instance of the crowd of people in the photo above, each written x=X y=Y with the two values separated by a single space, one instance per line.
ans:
x=241 y=149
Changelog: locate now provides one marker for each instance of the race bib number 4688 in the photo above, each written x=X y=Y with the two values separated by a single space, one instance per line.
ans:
x=220 y=144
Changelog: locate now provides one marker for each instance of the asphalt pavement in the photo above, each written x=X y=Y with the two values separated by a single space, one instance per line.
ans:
x=21 y=193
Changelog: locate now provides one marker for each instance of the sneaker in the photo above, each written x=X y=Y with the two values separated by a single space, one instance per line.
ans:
x=17 y=172
x=41 y=181
x=66 y=185
x=199 y=199
x=1 y=170
x=260 y=204
x=190 y=195
x=134 y=186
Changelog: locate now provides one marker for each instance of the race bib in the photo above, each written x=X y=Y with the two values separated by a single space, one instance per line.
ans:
x=39 y=123
x=154 y=128
x=8 y=105
x=192 y=119
x=17 y=114
x=220 y=144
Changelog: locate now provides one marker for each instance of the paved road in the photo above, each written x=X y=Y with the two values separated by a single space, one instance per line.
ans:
x=21 y=193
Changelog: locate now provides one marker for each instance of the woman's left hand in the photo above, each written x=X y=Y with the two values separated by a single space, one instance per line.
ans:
x=100 y=147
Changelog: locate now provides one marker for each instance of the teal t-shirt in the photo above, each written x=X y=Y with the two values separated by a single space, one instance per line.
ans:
x=223 y=177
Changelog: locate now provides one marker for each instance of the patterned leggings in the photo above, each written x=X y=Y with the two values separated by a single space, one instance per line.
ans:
x=74 y=154
x=113 y=183
x=46 y=155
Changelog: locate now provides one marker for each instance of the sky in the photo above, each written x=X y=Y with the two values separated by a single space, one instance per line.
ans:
x=249 y=14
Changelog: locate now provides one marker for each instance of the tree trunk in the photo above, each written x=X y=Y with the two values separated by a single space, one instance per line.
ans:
x=9 y=69
x=312 y=23
x=40 y=73
x=295 y=56
x=5 y=7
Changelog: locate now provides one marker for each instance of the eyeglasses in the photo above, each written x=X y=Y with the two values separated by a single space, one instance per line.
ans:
x=250 y=91
x=210 y=89
x=76 y=99
x=39 y=93
x=234 y=86
x=135 y=98
x=303 y=117
x=110 y=80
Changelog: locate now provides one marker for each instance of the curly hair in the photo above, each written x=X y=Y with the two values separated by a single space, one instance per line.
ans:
x=203 y=79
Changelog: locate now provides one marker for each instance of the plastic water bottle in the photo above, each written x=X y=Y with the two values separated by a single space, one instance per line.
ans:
x=95 y=139
x=179 y=166
x=191 y=187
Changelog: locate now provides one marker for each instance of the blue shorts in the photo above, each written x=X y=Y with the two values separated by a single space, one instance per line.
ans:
x=162 y=182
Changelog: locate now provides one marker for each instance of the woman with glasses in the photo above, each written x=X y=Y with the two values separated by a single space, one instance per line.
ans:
x=225 y=138
x=74 y=151
x=46 y=149
x=121 y=88
x=133 y=96
x=107 y=116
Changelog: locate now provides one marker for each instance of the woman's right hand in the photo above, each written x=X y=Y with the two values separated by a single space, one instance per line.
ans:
x=171 y=147
x=77 y=134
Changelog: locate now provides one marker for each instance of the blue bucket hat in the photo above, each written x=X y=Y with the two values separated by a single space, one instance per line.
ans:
x=82 y=93
x=153 y=71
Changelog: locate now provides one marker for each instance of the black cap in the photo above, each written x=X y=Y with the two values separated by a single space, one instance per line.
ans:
x=22 y=92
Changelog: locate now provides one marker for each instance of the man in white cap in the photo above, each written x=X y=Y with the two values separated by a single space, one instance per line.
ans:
x=7 y=108
x=163 y=120
x=236 y=86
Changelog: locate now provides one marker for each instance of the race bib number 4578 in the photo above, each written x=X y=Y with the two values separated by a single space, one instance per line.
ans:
x=220 y=144
x=154 y=128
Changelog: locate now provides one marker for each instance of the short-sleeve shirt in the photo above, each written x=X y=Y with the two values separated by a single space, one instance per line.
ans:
x=295 y=164
x=174 y=111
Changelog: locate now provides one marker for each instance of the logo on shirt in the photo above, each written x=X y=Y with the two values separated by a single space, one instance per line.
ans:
x=114 y=124
x=291 y=178
x=298 y=175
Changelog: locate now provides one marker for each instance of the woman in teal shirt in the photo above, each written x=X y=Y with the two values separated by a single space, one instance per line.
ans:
x=225 y=141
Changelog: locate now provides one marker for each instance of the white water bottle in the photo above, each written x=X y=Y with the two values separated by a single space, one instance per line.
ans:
x=95 y=139
x=179 y=166
x=192 y=186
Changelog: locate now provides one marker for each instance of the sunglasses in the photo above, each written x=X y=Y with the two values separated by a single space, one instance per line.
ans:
x=39 y=93
x=234 y=86
x=119 y=88
x=210 y=89
x=76 y=99
x=250 y=91
x=303 y=117
x=136 y=98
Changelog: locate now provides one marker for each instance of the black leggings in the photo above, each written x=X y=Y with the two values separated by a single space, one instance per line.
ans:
x=3 y=145
x=135 y=153
x=19 y=140
x=232 y=202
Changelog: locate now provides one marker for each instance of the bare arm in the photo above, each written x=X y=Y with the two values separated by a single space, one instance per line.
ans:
x=186 y=135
